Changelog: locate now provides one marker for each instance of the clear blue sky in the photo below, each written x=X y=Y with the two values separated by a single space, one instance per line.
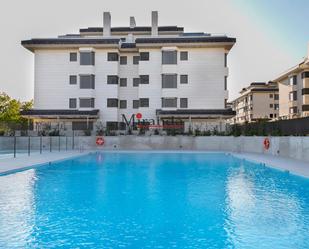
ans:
x=286 y=21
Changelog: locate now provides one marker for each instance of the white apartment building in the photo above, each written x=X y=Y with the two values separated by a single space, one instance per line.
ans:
x=294 y=91
x=108 y=73
x=258 y=101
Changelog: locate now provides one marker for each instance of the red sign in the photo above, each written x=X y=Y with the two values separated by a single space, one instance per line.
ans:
x=100 y=141
x=138 y=115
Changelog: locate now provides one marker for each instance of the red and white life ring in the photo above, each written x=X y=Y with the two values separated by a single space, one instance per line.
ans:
x=100 y=141
x=266 y=143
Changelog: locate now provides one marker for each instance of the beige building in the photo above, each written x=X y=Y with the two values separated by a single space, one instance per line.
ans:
x=294 y=91
x=258 y=101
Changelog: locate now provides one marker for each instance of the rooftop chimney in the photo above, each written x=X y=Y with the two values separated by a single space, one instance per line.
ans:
x=106 y=24
x=154 y=23
x=132 y=22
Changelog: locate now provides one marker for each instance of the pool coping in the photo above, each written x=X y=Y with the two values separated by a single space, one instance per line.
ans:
x=13 y=165
x=288 y=165
x=6 y=169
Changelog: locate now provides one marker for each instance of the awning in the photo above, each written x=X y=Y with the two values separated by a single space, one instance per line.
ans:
x=197 y=113
x=60 y=114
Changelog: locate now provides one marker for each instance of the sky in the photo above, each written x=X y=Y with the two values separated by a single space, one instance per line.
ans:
x=272 y=35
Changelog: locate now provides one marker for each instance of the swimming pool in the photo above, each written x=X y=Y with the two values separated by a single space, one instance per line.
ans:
x=154 y=200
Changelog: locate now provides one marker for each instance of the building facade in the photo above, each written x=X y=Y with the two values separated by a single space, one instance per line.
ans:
x=294 y=91
x=258 y=101
x=111 y=73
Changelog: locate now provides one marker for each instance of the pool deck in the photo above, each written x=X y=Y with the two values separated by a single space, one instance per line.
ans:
x=22 y=162
x=295 y=167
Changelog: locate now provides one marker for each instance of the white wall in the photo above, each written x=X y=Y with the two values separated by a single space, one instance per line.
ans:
x=261 y=105
x=205 y=88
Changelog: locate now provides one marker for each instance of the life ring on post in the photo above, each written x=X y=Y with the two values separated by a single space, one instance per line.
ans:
x=266 y=143
x=100 y=141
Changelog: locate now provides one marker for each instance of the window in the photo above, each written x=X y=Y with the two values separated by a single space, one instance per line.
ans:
x=183 y=79
x=112 y=125
x=73 y=56
x=87 y=58
x=169 y=102
x=136 y=81
x=86 y=103
x=123 y=60
x=271 y=106
x=225 y=60
x=72 y=103
x=144 y=56
x=82 y=125
x=183 y=102
x=276 y=96
x=293 y=96
x=225 y=83
x=135 y=60
x=144 y=102
x=271 y=96
x=293 y=110
x=122 y=126
x=123 y=82
x=135 y=104
x=73 y=79
x=87 y=81
x=112 y=79
x=169 y=80
x=144 y=79
x=305 y=91
x=169 y=57
x=293 y=80
x=276 y=106
x=271 y=115
x=112 y=56
x=251 y=97
x=122 y=104
x=112 y=102
x=183 y=55
x=305 y=75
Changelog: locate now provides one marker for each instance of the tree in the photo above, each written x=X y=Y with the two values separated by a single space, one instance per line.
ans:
x=10 y=108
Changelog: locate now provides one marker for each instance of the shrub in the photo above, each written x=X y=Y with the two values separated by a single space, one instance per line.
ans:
x=206 y=133
x=54 y=132
x=99 y=128
x=87 y=132
x=197 y=131
x=2 y=132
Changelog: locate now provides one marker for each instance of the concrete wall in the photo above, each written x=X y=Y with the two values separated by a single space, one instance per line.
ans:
x=291 y=147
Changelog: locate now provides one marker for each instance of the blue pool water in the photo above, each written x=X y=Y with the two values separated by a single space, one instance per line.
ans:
x=154 y=200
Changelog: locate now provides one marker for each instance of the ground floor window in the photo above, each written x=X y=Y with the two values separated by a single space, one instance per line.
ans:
x=111 y=125
x=82 y=125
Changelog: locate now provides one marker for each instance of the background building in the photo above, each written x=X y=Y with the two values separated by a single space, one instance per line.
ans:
x=294 y=91
x=258 y=101
x=111 y=72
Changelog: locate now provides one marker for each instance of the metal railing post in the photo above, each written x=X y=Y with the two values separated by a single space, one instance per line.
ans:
x=41 y=144
x=59 y=143
x=50 y=144
x=73 y=141
x=28 y=145
x=14 y=146
x=66 y=142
